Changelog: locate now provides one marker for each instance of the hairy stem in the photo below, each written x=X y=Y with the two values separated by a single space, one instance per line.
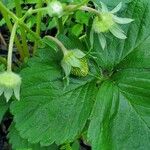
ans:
x=59 y=25
x=9 y=24
x=23 y=33
x=63 y=48
x=38 y=24
x=84 y=8
x=30 y=31
x=39 y=10
x=89 y=9
x=20 y=22
x=4 y=9
x=10 y=49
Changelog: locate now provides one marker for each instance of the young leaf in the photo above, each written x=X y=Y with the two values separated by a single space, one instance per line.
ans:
x=82 y=17
x=77 y=29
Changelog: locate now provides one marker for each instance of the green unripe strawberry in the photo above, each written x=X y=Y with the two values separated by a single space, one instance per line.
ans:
x=104 y=23
x=83 y=71
x=74 y=62
x=108 y=21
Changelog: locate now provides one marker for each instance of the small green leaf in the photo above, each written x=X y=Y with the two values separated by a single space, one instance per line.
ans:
x=82 y=17
x=77 y=29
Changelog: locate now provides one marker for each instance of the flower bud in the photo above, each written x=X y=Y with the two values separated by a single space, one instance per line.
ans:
x=9 y=84
x=55 y=8
x=108 y=21
x=74 y=62
x=103 y=23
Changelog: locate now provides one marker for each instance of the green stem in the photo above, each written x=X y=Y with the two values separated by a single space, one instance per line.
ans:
x=67 y=8
x=39 y=10
x=84 y=8
x=30 y=31
x=59 y=25
x=63 y=48
x=10 y=49
x=20 y=22
x=31 y=11
x=4 y=9
x=89 y=9
x=9 y=24
x=38 y=25
x=23 y=33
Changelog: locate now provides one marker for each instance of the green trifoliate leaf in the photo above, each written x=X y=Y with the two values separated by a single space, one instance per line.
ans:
x=120 y=118
x=47 y=113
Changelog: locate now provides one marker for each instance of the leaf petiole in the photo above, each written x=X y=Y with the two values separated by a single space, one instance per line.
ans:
x=10 y=49
x=63 y=48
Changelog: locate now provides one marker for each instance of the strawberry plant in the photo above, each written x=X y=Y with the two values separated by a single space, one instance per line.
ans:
x=81 y=74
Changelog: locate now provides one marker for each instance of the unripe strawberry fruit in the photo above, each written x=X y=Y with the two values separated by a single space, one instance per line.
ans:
x=83 y=71
x=74 y=62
